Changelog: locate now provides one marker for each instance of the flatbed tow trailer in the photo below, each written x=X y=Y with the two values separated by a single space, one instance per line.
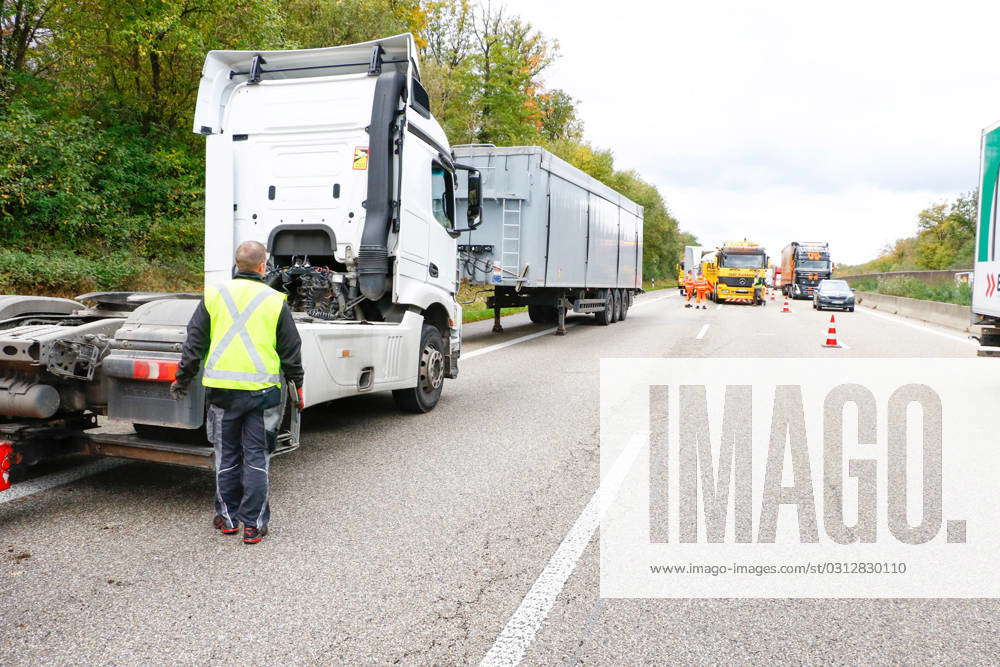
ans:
x=332 y=159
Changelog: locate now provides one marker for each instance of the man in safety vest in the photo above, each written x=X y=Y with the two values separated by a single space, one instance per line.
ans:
x=244 y=332
x=759 y=291
x=703 y=287
x=689 y=283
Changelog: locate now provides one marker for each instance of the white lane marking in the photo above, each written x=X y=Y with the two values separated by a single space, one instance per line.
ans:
x=513 y=341
x=912 y=325
x=702 y=332
x=57 y=479
x=520 y=630
x=646 y=302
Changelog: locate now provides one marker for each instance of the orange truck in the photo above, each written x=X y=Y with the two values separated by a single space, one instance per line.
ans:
x=803 y=266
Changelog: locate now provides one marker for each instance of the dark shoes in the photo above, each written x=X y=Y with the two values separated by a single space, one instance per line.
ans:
x=220 y=524
x=252 y=535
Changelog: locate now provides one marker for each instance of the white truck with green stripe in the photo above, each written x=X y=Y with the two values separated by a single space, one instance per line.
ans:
x=986 y=285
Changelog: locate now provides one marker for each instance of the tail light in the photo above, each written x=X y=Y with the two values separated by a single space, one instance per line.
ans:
x=7 y=460
x=150 y=369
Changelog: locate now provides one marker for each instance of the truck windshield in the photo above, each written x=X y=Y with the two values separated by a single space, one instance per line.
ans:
x=743 y=261
x=814 y=264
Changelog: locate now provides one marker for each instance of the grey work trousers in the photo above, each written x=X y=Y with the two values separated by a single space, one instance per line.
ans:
x=243 y=427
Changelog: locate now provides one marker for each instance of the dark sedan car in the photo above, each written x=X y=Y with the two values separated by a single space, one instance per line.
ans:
x=834 y=294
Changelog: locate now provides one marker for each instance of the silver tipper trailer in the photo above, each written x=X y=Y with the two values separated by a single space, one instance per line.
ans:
x=553 y=238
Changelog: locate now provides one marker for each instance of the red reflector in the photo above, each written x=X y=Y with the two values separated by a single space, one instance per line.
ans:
x=148 y=369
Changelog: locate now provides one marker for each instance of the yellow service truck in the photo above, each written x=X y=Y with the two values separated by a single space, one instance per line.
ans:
x=732 y=270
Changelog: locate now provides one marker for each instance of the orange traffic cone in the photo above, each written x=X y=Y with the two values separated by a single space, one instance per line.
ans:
x=785 y=308
x=831 y=334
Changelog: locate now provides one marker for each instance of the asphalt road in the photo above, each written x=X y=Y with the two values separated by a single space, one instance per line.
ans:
x=412 y=539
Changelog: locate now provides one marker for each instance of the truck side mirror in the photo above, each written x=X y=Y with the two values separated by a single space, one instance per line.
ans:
x=475 y=199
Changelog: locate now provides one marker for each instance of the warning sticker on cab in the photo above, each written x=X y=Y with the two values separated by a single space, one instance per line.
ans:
x=361 y=157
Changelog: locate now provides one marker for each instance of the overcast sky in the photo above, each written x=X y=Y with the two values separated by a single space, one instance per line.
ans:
x=782 y=121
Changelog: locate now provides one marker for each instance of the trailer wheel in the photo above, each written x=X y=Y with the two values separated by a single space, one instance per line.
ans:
x=616 y=305
x=604 y=316
x=540 y=314
x=430 y=375
x=625 y=305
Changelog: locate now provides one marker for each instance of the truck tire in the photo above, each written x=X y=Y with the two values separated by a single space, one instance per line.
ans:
x=430 y=375
x=540 y=314
x=604 y=316
x=616 y=304
x=625 y=305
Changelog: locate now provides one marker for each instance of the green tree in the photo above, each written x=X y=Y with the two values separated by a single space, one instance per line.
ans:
x=26 y=28
x=140 y=61
x=558 y=116
x=318 y=23
x=946 y=233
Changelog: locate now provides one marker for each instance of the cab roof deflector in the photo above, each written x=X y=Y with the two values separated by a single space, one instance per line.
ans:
x=225 y=70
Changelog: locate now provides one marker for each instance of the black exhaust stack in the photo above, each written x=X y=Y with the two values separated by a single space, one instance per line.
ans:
x=373 y=255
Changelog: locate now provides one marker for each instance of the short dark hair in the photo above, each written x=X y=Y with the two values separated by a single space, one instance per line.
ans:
x=250 y=255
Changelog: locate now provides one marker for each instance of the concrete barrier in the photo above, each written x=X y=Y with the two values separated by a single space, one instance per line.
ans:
x=935 y=312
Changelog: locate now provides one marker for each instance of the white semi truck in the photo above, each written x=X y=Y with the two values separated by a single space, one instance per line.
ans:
x=332 y=159
x=986 y=281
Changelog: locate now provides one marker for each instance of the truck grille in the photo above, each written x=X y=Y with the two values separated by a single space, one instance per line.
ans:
x=735 y=282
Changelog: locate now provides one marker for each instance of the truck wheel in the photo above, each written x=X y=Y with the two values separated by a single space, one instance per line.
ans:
x=540 y=314
x=430 y=375
x=616 y=304
x=625 y=305
x=604 y=316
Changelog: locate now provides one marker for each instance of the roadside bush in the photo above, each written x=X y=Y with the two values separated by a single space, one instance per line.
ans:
x=914 y=288
x=74 y=184
x=66 y=274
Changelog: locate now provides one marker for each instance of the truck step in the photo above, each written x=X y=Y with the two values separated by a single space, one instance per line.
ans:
x=131 y=446
x=137 y=448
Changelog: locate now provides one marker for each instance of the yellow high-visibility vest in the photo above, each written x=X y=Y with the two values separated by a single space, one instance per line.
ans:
x=242 y=353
